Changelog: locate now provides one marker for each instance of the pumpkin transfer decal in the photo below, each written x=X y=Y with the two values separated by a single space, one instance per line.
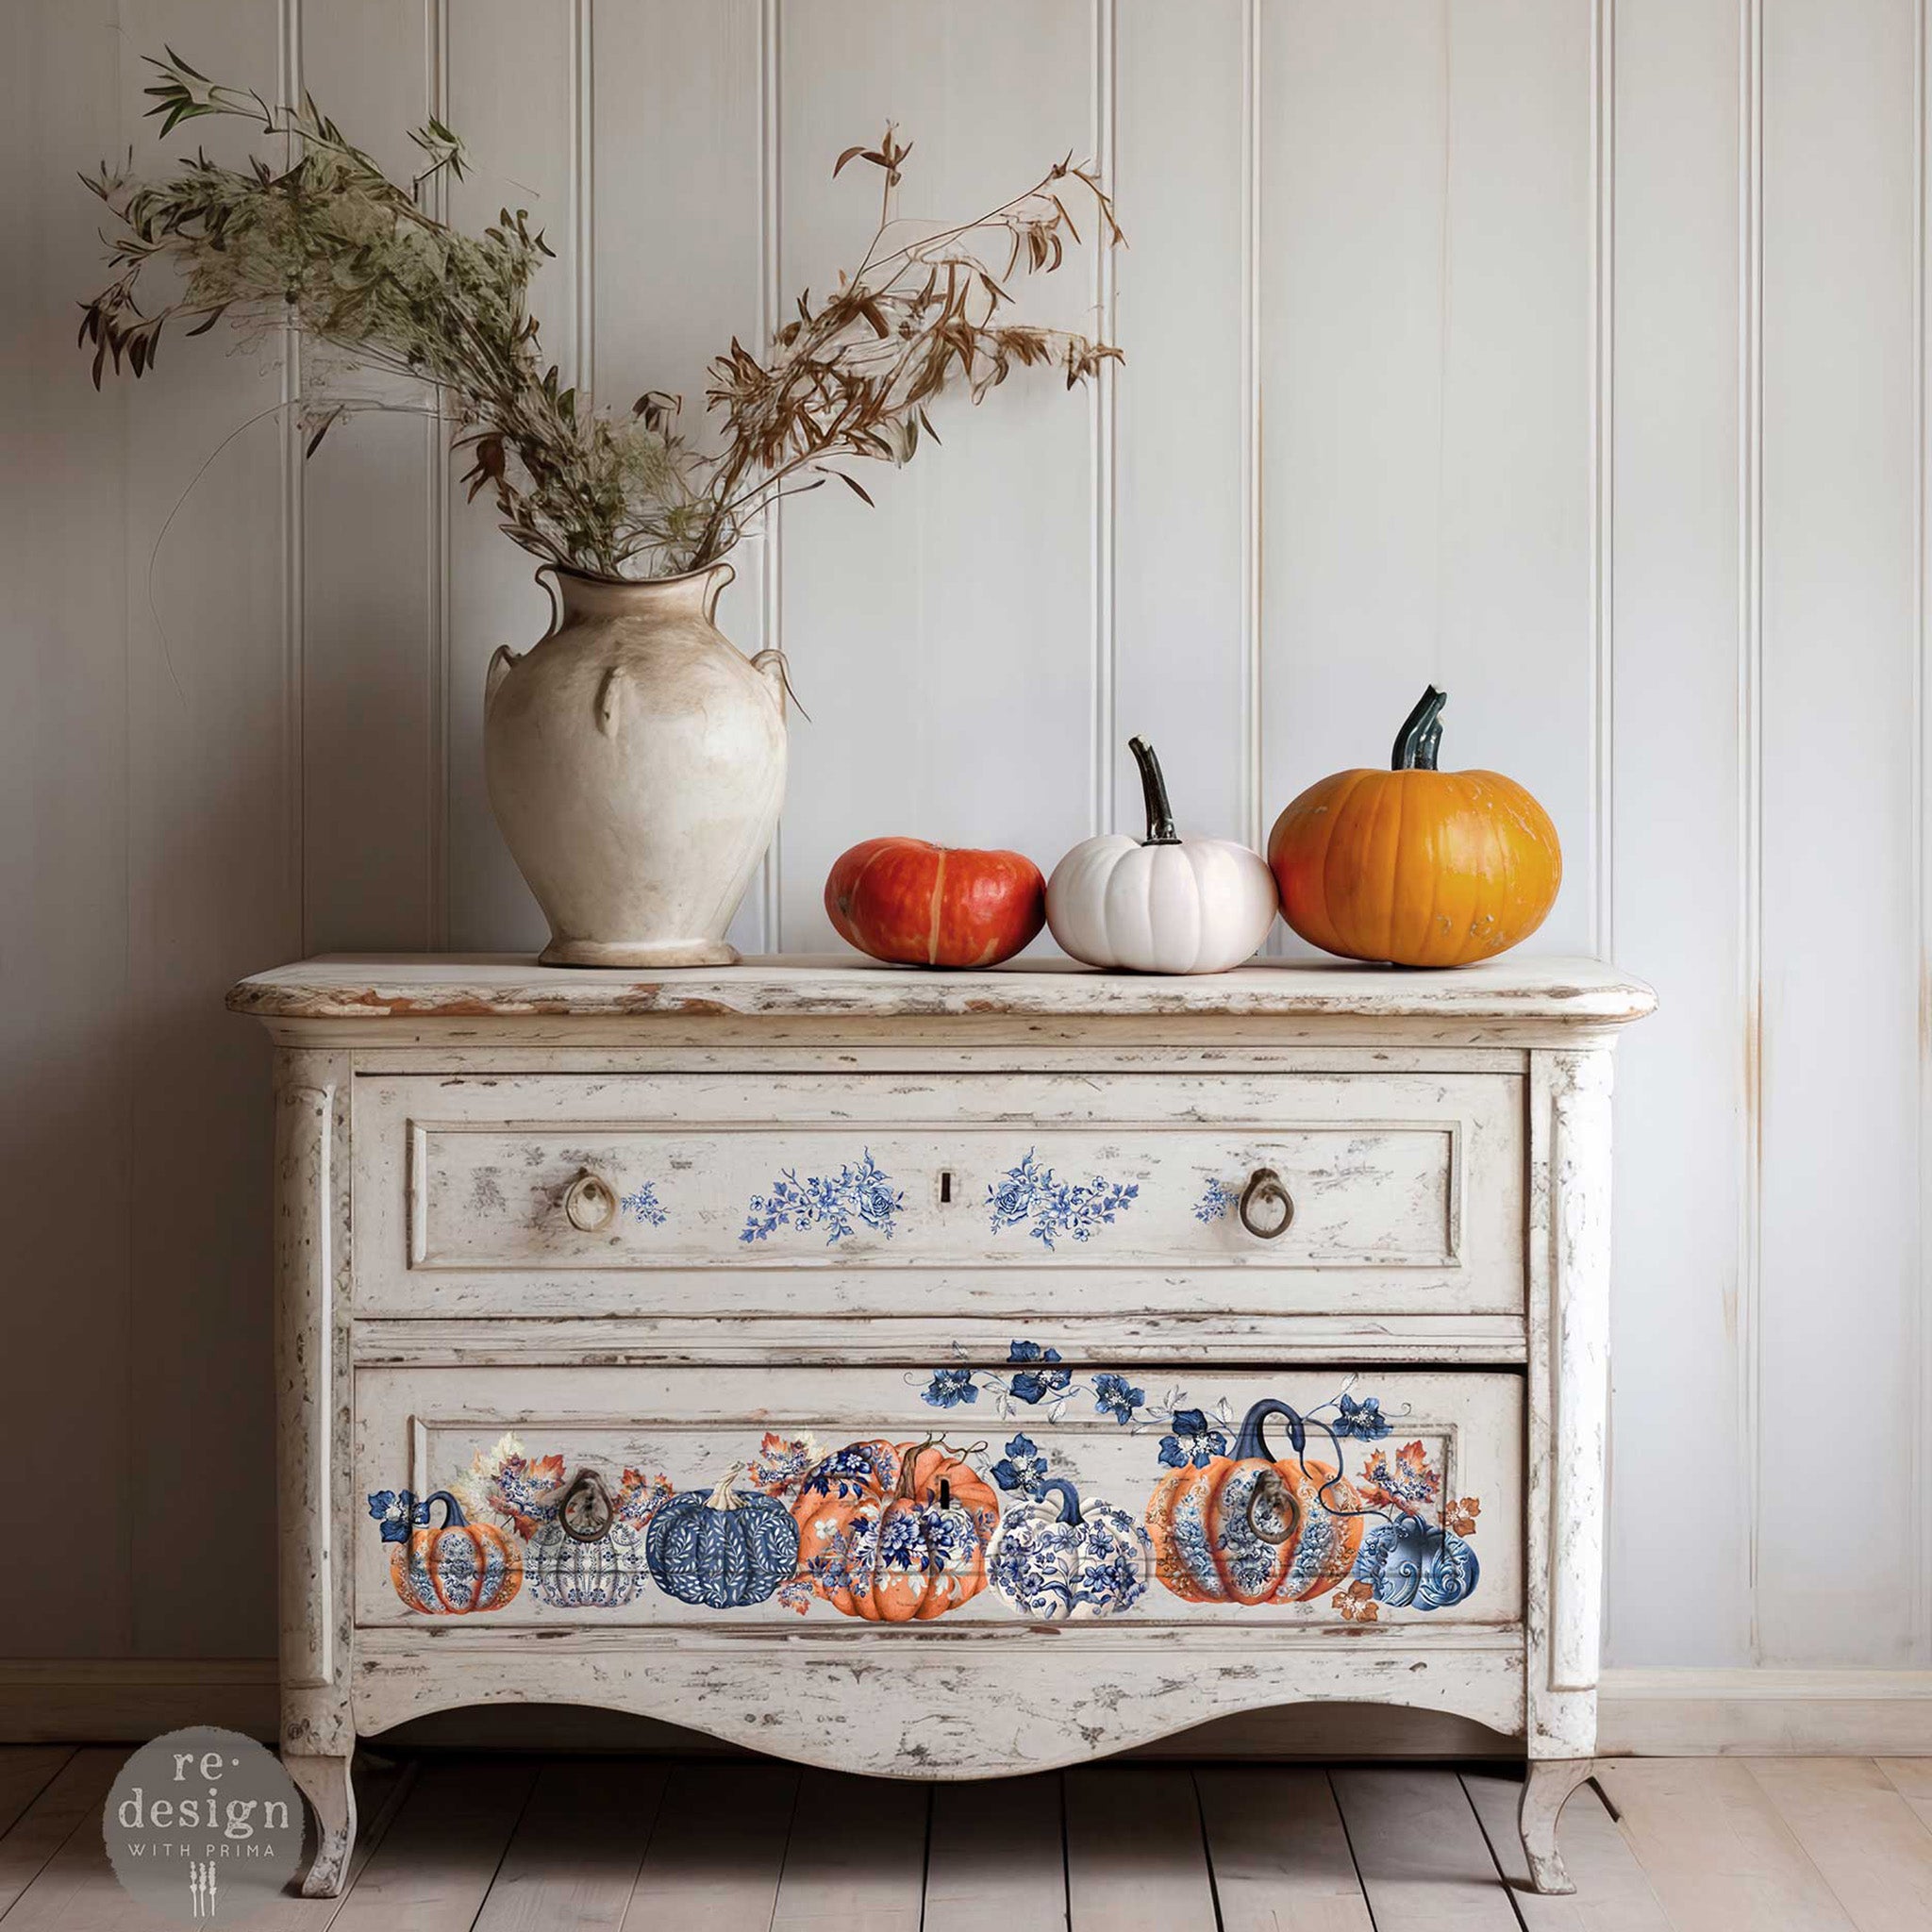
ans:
x=1237 y=1521
x=586 y=1540
x=1273 y=1507
x=1064 y=1556
x=894 y=1532
x=446 y=1570
x=724 y=1548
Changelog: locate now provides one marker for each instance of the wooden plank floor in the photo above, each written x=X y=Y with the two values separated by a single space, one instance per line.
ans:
x=497 y=1844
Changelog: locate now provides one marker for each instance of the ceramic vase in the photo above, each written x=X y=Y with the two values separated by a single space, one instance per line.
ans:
x=635 y=760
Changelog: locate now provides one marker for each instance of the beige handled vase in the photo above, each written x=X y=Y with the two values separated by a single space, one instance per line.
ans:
x=636 y=764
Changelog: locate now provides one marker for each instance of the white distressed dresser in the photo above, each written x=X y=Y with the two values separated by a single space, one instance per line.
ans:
x=940 y=1375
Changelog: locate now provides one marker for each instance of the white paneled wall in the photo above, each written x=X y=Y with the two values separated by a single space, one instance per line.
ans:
x=1570 y=353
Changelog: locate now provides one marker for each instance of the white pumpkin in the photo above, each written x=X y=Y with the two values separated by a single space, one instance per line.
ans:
x=1163 y=904
x=1066 y=1557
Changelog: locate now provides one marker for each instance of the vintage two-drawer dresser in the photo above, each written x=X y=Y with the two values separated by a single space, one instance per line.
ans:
x=940 y=1375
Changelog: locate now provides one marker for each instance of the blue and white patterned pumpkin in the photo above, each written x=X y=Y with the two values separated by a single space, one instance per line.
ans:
x=587 y=1547
x=1413 y=1566
x=1060 y=1557
x=724 y=1548
x=572 y=1574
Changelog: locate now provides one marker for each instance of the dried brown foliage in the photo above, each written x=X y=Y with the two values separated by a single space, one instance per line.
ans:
x=328 y=244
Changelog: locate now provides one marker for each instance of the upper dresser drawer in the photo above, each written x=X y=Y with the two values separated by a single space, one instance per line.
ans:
x=922 y=1193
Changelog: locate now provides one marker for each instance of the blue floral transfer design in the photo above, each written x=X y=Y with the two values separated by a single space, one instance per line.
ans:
x=1362 y=1420
x=641 y=1204
x=1034 y=1196
x=1030 y=1383
x=1193 y=1439
x=852 y=1470
x=1116 y=1396
x=1215 y=1202
x=855 y=1198
x=1063 y=1556
x=1023 y=1468
x=949 y=1388
x=397 y=1512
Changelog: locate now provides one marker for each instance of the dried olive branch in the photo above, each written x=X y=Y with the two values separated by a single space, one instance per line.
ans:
x=329 y=244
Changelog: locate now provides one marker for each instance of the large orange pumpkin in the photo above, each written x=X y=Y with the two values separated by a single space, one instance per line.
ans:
x=894 y=1532
x=918 y=905
x=1413 y=865
x=1249 y=1529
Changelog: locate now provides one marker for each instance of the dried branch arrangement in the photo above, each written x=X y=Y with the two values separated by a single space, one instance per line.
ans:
x=327 y=242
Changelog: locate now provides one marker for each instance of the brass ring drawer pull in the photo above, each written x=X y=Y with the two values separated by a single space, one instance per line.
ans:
x=1264 y=1185
x=589 y=1203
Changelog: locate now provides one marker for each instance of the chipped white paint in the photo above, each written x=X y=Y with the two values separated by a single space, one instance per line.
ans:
x=1407 y=1191
x=1552 y=991
x=1452 y=1136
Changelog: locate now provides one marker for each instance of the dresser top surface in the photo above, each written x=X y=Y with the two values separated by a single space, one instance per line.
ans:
x=512 y=986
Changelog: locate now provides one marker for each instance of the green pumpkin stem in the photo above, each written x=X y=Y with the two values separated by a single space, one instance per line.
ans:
x=1417 y=742
x=1160 y=829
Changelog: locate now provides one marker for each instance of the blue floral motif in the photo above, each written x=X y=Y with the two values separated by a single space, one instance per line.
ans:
x=1215 y=1201
x=398 y=1513
x=1362 y=1420
x=949 y=1388
x=1050 y=1565
x=642 y=1203
x=1115 y=1396
x=1031 y=1194
x=1029 y=1384
x=855 y=1198
x=1195 y=1440
x=1411 y=1566
x=852 y=1470
x=925 y=1539
x=1023 y=1467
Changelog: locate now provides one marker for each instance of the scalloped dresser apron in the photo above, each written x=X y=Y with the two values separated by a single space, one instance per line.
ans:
x=941 y=1375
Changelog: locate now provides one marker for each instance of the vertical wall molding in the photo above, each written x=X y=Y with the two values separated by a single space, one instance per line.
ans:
x=437 y=586
x=1104 y=404
x=583 y=194
x=1603 y=641
x=1253 y=828
x=772 y=867
x=1751 y=771
x=294 y=599
x=1922 y=869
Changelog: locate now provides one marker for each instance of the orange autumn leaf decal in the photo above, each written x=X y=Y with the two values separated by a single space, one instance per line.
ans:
x=1463 y=1516
x=1407 y=1484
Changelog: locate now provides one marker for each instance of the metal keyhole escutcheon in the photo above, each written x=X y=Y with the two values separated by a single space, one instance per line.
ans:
x=1265 y=1192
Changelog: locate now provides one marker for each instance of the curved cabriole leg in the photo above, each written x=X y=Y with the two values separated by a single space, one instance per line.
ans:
x=1545 y=1791
x=324 y=1782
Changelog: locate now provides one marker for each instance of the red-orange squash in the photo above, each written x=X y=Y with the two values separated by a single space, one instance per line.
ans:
x=918 y=905
x=894 y=1532
x=1250 y=1530
x=1412 y=865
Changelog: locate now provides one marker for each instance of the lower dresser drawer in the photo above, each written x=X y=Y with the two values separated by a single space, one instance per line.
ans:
x=1017 y=1493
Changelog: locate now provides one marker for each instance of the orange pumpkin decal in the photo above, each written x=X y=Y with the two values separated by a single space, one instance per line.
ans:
x=1413 y=865
x=457 y=1568
x=894 y=1533
x=1249 y=1529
